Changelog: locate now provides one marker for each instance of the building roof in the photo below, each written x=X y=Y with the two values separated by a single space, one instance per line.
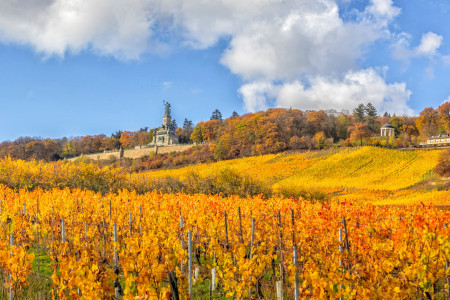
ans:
x=387 y=125
x=442 y=135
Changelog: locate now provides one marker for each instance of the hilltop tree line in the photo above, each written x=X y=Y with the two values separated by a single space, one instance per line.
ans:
x=263 y=132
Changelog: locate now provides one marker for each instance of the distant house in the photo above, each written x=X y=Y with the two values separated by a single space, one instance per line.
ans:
x=387 y=130
x=439 y=140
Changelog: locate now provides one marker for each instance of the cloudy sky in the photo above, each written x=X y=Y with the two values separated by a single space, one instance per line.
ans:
x=76 y=67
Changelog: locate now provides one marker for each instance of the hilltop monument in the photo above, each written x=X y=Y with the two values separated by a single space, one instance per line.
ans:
x=165 y=135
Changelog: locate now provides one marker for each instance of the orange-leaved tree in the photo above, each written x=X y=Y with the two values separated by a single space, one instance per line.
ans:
x=427 y=122
x=359 y=131
x=444 y=117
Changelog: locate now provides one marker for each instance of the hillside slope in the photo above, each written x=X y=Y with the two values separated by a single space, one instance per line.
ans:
x=359 y=168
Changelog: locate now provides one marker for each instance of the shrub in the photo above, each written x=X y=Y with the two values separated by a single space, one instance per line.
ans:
x=443 y=166
x=310 y=194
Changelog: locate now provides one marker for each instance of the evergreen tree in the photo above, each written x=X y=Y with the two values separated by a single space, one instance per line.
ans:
x=117 y=134
x=370 y=110
x=186 y=131
x=235 y=114
x=173 y=125
x=371 y=118
x=187 y=124
x=359 y=113
x=216 y=115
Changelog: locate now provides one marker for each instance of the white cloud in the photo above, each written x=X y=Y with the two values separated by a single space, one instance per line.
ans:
x=428 y=47
x=446 y=100
x=383 y=10
x=257 y=93
x=53 y=27
x=328 y=93
x=429 y=44
x=274 y=44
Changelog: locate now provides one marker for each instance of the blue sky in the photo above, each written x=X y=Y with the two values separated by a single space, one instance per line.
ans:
x=70 y=68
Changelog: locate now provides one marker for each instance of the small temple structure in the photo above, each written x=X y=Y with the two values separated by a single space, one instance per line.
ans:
x=387 y=130
x=165 y=135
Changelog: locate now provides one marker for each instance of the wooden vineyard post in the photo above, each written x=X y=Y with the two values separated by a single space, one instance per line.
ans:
x=116 y=263
x=447 y=279
x=340 y=250
x=196 y=270
x=293 y=228
x=240 y=225
x=38 y=244
x=213 y=279
x=38 y=254
x=172 y=274
x=11 y=243
x=86 y=230
x=140 y=219
x=279 y=290
x=210 y=291
x=347 y=245
x=173 y=282
x=226 y=229
x=190 y=262
x=252 y=238
x=130 y=222
x=182 y=245
x=295 y=257
x=279 y=284
x=295 y=263
x=63 y=234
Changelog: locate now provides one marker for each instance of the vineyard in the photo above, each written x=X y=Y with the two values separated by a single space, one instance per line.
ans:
x=81 y=244
x=378 y=176
x=310 y=225
x=361 y=168
x=369 y=174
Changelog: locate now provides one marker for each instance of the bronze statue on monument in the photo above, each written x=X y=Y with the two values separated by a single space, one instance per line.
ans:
x=165 y=135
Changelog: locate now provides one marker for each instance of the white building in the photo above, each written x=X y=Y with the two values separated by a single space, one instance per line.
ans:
x=387 y=130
